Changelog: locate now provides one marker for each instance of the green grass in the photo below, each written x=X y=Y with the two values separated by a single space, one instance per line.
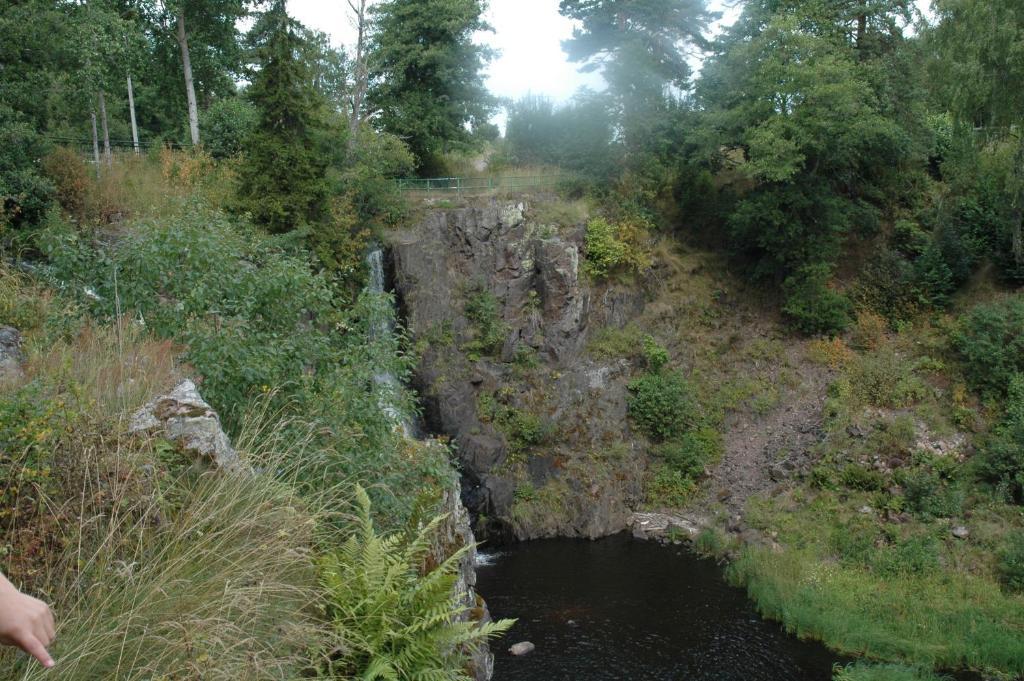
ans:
x=894 y=592
x=863 y=671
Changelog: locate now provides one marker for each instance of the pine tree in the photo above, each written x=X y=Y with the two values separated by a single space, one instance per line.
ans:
x=428 y=74
x=282 y=180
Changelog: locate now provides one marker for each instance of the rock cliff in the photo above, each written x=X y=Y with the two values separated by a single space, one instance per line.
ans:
x=501 y=311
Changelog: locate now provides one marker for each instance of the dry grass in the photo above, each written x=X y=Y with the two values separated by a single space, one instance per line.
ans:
x=155 y=570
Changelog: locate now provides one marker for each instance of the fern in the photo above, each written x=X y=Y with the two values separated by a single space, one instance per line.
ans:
x=394 y=623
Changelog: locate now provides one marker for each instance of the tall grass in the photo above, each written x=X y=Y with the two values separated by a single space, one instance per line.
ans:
x=156 y=570
x=946 y=620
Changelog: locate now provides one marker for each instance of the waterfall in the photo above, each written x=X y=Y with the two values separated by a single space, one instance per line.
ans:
x=380 y=326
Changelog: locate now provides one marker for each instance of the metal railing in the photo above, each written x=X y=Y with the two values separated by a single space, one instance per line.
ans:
x=463 y=185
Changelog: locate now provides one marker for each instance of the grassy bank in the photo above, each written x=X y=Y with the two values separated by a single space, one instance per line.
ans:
x=899 y=545
x=157 y=566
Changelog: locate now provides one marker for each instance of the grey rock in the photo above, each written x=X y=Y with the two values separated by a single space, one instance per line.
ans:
x=961 y=532
x=10 y=354
x=522 y=648
x=186 y=419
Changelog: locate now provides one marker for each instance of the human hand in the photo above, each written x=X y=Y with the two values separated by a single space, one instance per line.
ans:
x=25 y=622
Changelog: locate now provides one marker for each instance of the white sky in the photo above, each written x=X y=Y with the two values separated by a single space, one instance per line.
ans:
x=528 y=34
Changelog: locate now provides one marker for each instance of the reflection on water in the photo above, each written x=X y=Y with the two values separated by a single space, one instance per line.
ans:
x=631 y=610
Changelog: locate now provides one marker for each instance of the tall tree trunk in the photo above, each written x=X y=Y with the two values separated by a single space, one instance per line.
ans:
x=131 y=111
x=107 y=155
x=95 y=146
x=362 y=77
x=190 y=90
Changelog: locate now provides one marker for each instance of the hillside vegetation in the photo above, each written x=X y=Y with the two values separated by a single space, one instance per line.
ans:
x=805 y=265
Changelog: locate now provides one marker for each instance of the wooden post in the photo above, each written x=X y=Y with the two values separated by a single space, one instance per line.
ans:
x=95 y=145
x=131 y=110
x=108 y=157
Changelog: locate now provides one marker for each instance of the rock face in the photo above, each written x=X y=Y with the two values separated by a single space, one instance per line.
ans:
x=453 y=535
x=187 y=420
x=10 y=353
x=540 y=427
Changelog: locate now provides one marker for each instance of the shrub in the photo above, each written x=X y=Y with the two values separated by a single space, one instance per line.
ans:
x=913 y=556
x=489 y=331
x=1001 y=460
x=930 y=494
x=692 y=453
x=1011 y=563
x=70 y=175
x=616 y=247
x=655 y=354
x=669 y=488
x=990 y=340
x=663 y=405
x=25 y=195
x=226 y=125
x=811 y=306
x=392 y=621
x=886 y=379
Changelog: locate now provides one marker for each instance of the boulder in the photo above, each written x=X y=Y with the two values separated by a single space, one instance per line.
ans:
x=10 y=353
x=961 y=532
x=183 y=417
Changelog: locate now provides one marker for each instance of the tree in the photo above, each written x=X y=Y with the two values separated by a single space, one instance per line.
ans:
x=427 y=74
x=282 y=179
x=360 y=72
x=798 y=100
x=200 y=40
x=981 y=43
x=641 y=47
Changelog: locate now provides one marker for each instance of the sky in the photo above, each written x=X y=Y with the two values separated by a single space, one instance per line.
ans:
x=528 y=35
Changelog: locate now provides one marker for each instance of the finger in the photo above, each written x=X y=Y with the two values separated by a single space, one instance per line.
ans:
x=49 y=625
x=31 y=645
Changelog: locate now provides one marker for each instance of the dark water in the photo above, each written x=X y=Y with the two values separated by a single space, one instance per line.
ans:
x=633 y=610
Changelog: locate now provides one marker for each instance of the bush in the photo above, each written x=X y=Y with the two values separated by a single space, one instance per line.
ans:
x=930 y=494
x=655 y=354
x=25 y=195
x=1011 y=563
x=1001 y=460
x=489 y=331
x=811 y=306
x=990 y=340
x=226 y=125
x=885 y=378
x=663 y=405
x=616 y=247
x=70 y=175
x=669 y=488
x=692 y=453
x=392 y=621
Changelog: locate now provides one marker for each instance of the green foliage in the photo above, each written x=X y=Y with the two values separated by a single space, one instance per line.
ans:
x=427 y=72
x=1011 y=563
x=692 y=453
x=663 y=405
x=615 y=247
x=669 y=488
x=25 y=195
x=522 y=429
x=812 y=306
x=886 y=378
x=282 y=181
x=226 y=126
x=655 y=354
x=395 y=622
x=1001 y=460
x=867 y=671
x=489 y=331
x=990 y=340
